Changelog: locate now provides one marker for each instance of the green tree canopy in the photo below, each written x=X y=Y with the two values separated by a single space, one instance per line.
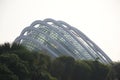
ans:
x=116 y=68
x=18 y=63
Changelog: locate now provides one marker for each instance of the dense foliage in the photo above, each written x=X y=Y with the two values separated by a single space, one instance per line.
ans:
x=17 y=63
x=116 y=70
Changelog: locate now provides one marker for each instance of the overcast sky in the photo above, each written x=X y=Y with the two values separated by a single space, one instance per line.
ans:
x=98 y=19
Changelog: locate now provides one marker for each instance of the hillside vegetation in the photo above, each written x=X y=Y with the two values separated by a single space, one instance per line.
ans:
x=18 y=63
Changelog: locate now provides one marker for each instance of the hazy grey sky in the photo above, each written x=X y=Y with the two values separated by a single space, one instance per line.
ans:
x=98 y=19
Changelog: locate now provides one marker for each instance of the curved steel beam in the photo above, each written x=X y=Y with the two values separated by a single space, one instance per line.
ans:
x=87 y=40
x=37 y=44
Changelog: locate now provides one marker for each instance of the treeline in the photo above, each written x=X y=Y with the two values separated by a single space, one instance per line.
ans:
x=17 y=63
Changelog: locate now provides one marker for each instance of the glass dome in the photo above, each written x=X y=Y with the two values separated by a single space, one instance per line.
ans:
x=58 y=38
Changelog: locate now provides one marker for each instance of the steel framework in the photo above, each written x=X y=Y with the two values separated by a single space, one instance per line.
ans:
x=59 y=38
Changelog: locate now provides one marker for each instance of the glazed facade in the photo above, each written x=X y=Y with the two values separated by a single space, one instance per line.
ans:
x=59 y=38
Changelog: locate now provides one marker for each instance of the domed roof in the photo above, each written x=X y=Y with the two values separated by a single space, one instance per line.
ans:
x=59 y=38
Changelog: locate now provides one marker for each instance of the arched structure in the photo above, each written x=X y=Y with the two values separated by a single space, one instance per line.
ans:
x=59 y=38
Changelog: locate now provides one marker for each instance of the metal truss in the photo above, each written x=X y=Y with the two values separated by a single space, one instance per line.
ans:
x=59 y=38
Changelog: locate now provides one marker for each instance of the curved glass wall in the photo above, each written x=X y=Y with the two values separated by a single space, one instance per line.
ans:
x=59 y=38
